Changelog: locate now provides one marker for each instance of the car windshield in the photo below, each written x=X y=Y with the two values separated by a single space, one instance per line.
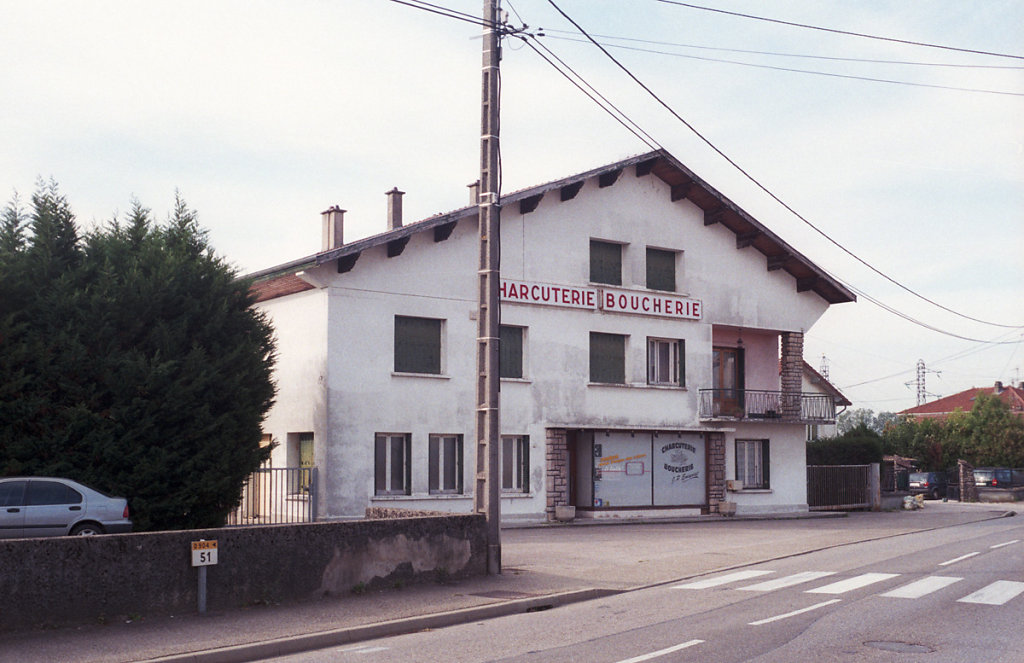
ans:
x=919 y=476
x=984 y=476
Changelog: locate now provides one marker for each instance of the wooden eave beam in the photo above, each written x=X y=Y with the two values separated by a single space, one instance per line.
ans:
x=396 y=246
x=743 y=240
x=713 y=216
x=569 y=191
x=777 y=262
x=645 y=167
x=444 y=231
x=682 y=190
x=527 y=205
x=346 y=263
x=806 y=283
x=609 y=178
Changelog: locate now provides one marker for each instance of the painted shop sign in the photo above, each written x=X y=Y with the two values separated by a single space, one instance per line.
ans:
x=645 y=303
x=546 y=294
x=606 y=299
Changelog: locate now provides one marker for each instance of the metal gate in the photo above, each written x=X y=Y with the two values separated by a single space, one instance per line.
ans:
x=277 y=495
x=841 y=487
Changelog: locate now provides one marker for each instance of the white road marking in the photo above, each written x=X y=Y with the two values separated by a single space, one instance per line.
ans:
x=958 y=559
x=919 y=588
x=788 y=581
x=852 y=583
x=661 y=652
x=794 y=613
x=997 y=593
x=362 y=649
x=1001 y=545
x=722 y=580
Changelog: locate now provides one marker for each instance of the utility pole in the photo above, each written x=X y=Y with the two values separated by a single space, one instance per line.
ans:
x=488 y=480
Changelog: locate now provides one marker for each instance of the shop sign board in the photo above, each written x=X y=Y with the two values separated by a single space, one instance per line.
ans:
x=613 y=300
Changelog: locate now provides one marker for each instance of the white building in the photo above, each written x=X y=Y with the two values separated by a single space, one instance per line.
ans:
x=645 y=318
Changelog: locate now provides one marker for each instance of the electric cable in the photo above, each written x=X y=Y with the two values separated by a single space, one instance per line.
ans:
x=806 y=71
x=791 y=55
x=842 y=32
x=762 y=187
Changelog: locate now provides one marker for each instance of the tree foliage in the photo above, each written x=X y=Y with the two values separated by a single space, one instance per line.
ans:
x=989 y=435
x=131 y=359
x=858 y=446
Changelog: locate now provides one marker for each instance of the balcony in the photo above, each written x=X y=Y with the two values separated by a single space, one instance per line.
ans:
x=759 y=406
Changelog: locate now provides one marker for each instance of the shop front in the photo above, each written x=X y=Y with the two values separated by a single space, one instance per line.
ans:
x=634 y=470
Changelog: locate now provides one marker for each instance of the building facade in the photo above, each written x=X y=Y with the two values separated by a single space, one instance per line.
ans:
x=644 y=320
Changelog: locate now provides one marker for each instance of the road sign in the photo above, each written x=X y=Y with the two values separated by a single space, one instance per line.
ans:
x=204 y=553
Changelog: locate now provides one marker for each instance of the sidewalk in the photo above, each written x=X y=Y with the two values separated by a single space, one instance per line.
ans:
x=543 y=566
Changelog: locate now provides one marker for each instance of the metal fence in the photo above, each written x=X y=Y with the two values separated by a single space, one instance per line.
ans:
x=277 y=495
x=840 y=487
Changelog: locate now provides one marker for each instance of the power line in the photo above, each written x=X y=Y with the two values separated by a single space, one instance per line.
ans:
x=807 y=71
x=842 y=32
x=444 y=11
x=792 y=55
x=765 y=189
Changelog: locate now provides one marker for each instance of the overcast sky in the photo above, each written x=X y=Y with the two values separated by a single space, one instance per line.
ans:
x=263 y=114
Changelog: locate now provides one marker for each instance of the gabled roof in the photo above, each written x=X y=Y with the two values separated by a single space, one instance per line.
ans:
x=964 y=401
x=683 y=184
x=820 y=380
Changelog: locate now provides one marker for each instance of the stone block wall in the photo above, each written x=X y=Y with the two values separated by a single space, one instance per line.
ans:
x=557 y=457
x=715 y=459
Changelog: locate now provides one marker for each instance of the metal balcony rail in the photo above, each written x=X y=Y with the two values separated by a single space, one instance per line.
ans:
x=770 y=406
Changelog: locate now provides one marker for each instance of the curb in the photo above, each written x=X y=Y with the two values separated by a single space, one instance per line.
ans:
x=325 y=639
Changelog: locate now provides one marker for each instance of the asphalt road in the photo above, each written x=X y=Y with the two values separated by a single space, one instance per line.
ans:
x=952 y=594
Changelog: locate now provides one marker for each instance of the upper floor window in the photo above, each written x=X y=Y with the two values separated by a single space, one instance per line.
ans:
x=417 y=345
x=665 y=362
x=510 y=353
x=605 y=262
x=661 y=269
x=607 y=358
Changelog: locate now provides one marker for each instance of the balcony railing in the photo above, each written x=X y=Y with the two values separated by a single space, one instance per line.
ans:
x=767 y=406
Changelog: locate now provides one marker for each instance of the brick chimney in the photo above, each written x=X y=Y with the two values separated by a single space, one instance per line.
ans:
x=394 y=208
x=999 y=387
x=333 y=228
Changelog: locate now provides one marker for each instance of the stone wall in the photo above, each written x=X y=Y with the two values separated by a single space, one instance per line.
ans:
x=715 y=459
x=557 y=457
x=73 y=580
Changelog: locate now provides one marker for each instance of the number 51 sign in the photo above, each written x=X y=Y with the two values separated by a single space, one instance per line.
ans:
x=204 y=553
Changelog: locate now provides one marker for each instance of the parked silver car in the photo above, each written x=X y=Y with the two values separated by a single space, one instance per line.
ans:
x=46 y=506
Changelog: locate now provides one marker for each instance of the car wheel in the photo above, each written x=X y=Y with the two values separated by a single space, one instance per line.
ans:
x=86 y=529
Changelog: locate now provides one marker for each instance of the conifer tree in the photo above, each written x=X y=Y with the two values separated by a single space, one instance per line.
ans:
x=143 y=368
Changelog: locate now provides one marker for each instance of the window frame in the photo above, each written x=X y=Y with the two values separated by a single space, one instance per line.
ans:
x=507 y=358
x=601 y=262
x=384 y=446
x=441 y=457
x=405 y=345
x=599 y=366
x=515 y=464
x=757 y=450
x=678 y=349
x=657 y=278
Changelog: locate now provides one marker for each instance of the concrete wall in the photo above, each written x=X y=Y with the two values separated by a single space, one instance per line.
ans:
x=70 y=580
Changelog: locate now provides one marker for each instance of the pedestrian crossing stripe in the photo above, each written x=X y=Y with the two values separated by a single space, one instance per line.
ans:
x=922 y=587
x=851 y=584
x=788 y=581
x=995 y=593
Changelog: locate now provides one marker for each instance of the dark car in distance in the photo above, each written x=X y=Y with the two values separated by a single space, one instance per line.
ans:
x=929 y=484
